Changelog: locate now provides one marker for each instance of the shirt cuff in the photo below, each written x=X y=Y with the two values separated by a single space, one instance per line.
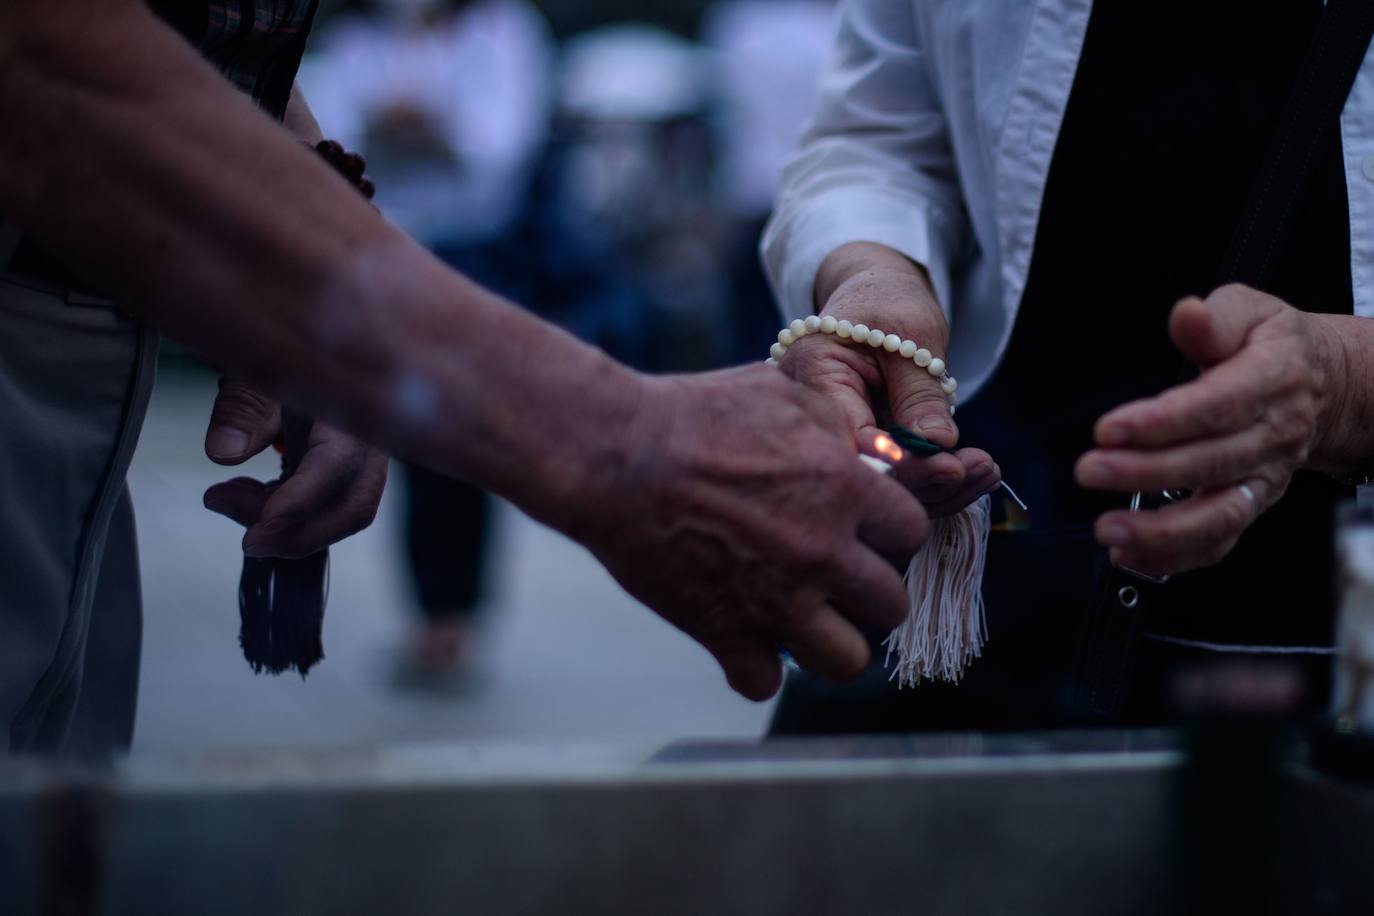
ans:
x=802 y=235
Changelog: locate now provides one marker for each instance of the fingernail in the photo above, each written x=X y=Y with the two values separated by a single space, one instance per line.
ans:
x=1110 y=535
x=937 y=430
x=225 y=442
x=930 y=424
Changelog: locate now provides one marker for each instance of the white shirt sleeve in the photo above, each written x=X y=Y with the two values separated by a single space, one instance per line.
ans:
x=875 y=166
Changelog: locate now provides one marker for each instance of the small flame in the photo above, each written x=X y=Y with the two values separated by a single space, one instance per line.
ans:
x=888 y=449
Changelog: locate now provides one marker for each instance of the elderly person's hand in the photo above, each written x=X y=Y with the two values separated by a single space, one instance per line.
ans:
x=742 y=514
x=333 y=493
x=873 y=285
x=1272 y=381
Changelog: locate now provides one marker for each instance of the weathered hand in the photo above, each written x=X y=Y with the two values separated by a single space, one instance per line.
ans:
x=870 y=386
x=1272 y=378
x=333 y=493
x=742 y=515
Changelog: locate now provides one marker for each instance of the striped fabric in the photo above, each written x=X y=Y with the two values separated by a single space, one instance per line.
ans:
x=256 y=44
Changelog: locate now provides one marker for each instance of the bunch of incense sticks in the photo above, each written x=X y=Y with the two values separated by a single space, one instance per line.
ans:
x=920 y=445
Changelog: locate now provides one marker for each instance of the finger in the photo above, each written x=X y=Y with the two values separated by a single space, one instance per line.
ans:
x=825 y=643
x=752 y=667
x=332 y=495
x=932 y=478
x=918 y=402
x=893 y=522
x=843 y=375
x=975 y=466
x=1223 y=400
x=986 y=479
x=241 y=499
x=927 y=476
x=1213 y=331
x=1209 y=463
x=243 y=422
x=867 y=590
x=1191 y=534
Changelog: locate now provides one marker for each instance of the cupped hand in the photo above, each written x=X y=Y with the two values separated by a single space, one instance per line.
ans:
x=332 y=493
x=1271 y=379
x=872 y=387
x=743 y=516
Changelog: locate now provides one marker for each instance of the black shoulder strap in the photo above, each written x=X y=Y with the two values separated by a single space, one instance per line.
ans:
x=1305 y=131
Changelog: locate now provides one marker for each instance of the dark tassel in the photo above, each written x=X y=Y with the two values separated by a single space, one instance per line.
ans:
x=281 y=602
x=281 y=613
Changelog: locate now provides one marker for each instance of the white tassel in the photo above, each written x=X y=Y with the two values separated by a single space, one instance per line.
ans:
x=947 y=625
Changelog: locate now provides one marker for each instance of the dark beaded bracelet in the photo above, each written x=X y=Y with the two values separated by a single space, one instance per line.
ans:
x=350 y=165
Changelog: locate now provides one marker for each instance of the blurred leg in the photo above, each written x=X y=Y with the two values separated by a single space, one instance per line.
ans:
x=447 y=527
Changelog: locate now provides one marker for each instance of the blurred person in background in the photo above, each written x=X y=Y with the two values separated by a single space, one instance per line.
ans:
x=767 y=57
x=629 y=189
x=449 y=101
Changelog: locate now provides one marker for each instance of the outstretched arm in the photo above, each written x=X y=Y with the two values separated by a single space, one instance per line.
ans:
x=731 y=503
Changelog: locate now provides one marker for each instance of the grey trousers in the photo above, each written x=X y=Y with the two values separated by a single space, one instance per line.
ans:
x=75 y=377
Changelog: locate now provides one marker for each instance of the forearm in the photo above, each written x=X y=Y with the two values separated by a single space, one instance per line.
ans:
x=130 y=159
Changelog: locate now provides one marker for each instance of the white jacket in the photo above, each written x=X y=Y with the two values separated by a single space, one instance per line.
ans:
x=934 y=134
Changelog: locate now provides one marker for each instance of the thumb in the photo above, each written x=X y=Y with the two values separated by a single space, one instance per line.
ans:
x=1213 y=331
x=243 y=422
x=917 y=402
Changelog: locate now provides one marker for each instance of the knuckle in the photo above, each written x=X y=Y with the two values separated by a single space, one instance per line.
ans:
x=1294 y=374
x=1166 y=529
x=237 y=393
x=1302 y=429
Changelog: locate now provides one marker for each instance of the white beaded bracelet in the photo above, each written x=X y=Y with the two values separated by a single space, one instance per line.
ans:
x=863 y=334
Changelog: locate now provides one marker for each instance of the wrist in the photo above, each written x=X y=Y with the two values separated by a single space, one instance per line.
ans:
x=1340 y=441
x=894 y=299
x=583 y=454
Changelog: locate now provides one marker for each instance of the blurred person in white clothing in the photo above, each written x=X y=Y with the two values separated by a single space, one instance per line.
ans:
x=767 y=59
x=450 y=103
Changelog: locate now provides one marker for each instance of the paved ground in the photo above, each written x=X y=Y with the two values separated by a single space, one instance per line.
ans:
x=567 y=654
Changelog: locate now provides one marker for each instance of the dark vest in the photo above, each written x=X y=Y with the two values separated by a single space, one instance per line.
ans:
x=1167 y=125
